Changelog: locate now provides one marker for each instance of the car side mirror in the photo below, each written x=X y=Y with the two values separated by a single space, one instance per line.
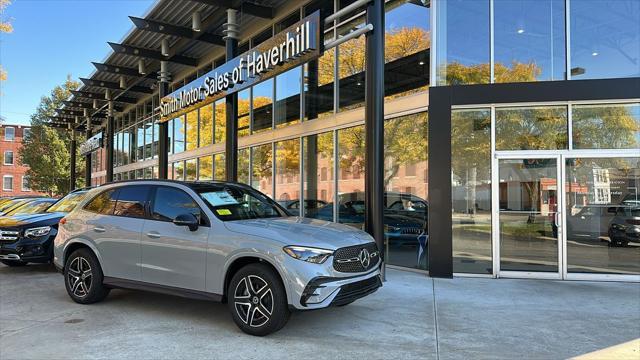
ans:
x=188 y=220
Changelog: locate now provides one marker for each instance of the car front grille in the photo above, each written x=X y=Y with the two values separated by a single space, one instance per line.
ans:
x=411 y=231
x=358 y=258
x=8 y=235
x=357 y=290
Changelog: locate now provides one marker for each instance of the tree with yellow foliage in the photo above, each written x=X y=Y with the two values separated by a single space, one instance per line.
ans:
x=5 y=27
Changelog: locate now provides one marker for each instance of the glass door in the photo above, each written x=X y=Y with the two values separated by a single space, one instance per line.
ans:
x=528 y=211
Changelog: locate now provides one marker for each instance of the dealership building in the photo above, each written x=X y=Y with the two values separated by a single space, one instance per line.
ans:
x=489 y=138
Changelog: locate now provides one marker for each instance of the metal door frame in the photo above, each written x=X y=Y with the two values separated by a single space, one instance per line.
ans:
x=495 y=209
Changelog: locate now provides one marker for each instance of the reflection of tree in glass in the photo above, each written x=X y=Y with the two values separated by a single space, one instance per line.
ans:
x=606 y=126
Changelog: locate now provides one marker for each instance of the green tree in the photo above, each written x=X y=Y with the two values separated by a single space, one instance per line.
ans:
x=46 y=150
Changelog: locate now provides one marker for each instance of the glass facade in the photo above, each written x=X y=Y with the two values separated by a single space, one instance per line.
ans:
x=524 y=176
x=530 y=40
x=471 y=190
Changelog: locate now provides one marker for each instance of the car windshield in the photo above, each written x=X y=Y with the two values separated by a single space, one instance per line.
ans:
x=229 y=203
x=67 y=203
x=33 y=207
x=13 y=204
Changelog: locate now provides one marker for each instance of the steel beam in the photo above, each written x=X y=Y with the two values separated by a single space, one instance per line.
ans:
x=174 y=30
x=109 y=141
x=118 y=70
x=163 y=132
x=115 y=86
x=374 y=124
x=152 y=54
x=100 y=97
x=87 y=162
x=72 y=163
x=231 y=102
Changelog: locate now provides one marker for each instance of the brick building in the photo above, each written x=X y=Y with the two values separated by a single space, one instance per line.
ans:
x=12 y=173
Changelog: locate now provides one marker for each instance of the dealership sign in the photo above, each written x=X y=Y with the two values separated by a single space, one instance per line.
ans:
x=93 y=143
x=295 y=45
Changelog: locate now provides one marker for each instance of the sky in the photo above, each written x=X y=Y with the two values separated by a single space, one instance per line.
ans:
x=52 y=39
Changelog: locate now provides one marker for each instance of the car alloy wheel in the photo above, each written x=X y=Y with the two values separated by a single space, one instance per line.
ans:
x=80 y=277
x=253 y=301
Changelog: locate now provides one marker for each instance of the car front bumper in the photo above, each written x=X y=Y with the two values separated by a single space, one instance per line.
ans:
x=29 y=250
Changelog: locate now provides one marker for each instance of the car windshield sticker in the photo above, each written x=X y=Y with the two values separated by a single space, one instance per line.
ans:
x=223 y=211
x=219 y=198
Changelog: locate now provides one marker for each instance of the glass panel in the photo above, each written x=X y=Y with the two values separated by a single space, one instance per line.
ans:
x=532 y=128
x=205 y=168
x=221 y=121
x=156 y=137
x=148 y=173
x=140 y=142
x=192 y=168
x=178 y=170
x=149 y=127
x=610 y=126
x=262 y=169
x=471 y=190
x=262 y=106
x=219 y=167
x=288 y=173
x=405 y=177
x=406 y=48
x=318 y=183
x=318 y=85
x=528 y=206
x=243 y=165
x=351 y=176
x=529 y=40
x=178 y=134
x=244 y=109
x=192 y=130
x=288 y=97
x=351 y=63
x=463 y=42
x=605 y=39
x=206 y=125
x=603 y=215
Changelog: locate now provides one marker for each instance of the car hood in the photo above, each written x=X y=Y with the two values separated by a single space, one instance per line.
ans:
x=301 y=231
x=42 y=219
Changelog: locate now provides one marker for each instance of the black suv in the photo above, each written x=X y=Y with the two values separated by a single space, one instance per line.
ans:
x=29 y=238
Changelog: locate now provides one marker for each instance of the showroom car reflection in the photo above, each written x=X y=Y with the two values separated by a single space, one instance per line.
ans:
x=405 y=215
x=625 y=226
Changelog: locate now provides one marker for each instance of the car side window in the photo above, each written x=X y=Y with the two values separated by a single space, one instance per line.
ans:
x=169 y=202
x=104 y=203
x=131 y=201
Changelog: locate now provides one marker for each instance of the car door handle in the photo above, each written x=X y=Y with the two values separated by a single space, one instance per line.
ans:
x=154 y=235
x=99 y=229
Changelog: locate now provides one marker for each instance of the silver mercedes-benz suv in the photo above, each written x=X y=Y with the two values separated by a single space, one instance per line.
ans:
x=212 y=240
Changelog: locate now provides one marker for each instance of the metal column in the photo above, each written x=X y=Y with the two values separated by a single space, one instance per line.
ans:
x=163 y=127
x=72 y=165
x=374 y=124
x=109 y=140
x=87 y=161
x=231 y=138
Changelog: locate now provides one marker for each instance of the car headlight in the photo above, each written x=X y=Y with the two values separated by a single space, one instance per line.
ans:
x=308 y=254
x=37 y=232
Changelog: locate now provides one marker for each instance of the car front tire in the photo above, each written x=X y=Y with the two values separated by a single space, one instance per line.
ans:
x=83 y=277
x=257 y=300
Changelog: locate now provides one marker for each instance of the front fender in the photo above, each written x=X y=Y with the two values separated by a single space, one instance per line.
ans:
x=275 y=260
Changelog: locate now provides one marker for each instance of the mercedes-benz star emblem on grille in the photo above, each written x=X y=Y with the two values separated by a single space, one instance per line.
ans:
x=364 y=258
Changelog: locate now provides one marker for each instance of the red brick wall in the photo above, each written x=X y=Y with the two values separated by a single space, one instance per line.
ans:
x=16 y=170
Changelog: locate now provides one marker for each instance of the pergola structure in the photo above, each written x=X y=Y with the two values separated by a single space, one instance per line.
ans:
x=179 y=34
x=172 y=36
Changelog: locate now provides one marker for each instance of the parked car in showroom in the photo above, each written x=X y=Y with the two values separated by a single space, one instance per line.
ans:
x=219 y=241
x=26 y=238
x=625 y=226
x=405 y=215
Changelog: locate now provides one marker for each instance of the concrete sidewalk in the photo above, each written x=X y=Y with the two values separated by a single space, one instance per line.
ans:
x=467 y=318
